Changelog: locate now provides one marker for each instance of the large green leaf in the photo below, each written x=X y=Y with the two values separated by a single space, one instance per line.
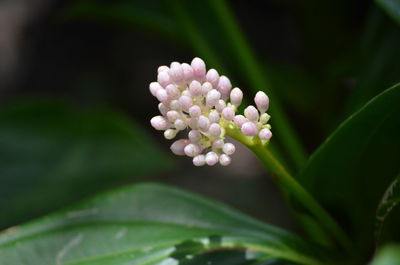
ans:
x=390 y=199
x=146 y=224
x=353 y=167
x=52 y=154
x=392 y=7
x=388 y=255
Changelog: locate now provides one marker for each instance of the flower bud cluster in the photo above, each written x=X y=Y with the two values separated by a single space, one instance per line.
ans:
x=202 y=103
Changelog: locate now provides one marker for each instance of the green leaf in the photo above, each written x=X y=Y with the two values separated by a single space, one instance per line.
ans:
x=52 y=154
x=390 y=199
x=392 y=7
x=146 y=224
x=353 y=167
x=388 y=255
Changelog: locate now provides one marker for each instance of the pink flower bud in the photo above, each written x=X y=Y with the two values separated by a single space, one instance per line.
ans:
x=228 y=113
x=194 y=136
x=251 y=113
x=215 y=130
x=187 y=72
x=195 y=88
x=192 y=150
x=159 y=123
x=180 y=124
x=262 y=101
x=172 y=91
x=162 y=68
x=173 y=115
x=224 y=86
x=236 y=96
x=219 y=143
x=228 y=149
x=178 y=147
x=162 y=95
x=203 y=123
x=186 y=102
x=176 y=72
x=249 y=129
x=170 y=134
x=163 y=78
x=212 y=97
x=239 y=120
x=224 y=160
x=175 y=105
x=211 y=158
x=213 y=116
x=194 y=111
x=265 y=134
x=199 y=68
x=206 y=87
x=212 y=76
x=154 y=87
x=163 y=108
x=221 y=104
x=199 y=160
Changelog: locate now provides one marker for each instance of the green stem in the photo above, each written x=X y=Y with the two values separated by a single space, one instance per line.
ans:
x=291 y=188
x=258 y=80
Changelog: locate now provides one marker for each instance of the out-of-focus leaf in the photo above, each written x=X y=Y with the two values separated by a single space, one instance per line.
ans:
x=147 y=224
x=390 y=199
x=392 y=7
x=388 y=255
x=352 y=168
x=52 y=154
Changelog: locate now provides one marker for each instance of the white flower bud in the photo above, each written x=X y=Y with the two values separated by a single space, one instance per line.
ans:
x=180 y=124
x=212 y=97
x=154 y=87
x=265 y=134
x=215 y=130
x=224 y=86
x=194 y=111
x=236 y=96
x=194 y=136
x=163 y=78
x=178 y=147
x=162 y=95
x=212 y=76
x=163 y=108
x=192 y=150
x=228 y=148
x=217 y=144
x=175 y=105
x=249 y=129
x=264 y=118
x=187 y=71
x=193 y=123
x=176 y=72
x=162 y=68
x=186 y=102
x=172 y=91
x=213 y=116
x=170 y=134
x=251 y=113
x=211 y=158
x=203 y=123
x=199 y=68
x=195 y=88
x=159 y=123
x=221 y=104
x=173 y=115
x=228 y=113
x=224 y=160
x=199 y=160
x=206 y=87
x=239 y=120
x=262 y=101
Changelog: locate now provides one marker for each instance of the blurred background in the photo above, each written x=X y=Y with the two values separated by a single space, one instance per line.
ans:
x=75 y=105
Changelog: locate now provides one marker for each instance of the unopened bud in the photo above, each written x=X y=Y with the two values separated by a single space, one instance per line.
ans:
x=251 y=113
x=236 y=96
x=262 y=101
x=249 y=129
x=159 y=123
x=178 y=147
